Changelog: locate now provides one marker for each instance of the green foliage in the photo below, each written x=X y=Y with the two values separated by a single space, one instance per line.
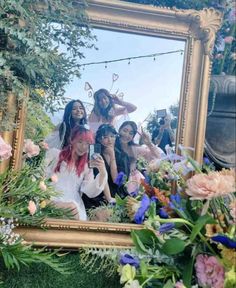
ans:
x=38 y=123
x=17 y=254
x=35 y=36
x=42 y=276
x=18 y=188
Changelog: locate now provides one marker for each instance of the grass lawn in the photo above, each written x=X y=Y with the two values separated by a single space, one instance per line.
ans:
x=41 y=276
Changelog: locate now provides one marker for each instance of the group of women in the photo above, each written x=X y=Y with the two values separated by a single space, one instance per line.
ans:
x=84 y=183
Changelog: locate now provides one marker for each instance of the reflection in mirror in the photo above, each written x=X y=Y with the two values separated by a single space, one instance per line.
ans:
x=132 y=87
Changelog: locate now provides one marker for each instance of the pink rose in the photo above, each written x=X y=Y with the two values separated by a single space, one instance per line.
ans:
x=5 y=150
x=54 y=178
x=212 y=185
x=30 y=148
x=42 y=186
x=229 y=39
x=209 y=272
x=32 y=207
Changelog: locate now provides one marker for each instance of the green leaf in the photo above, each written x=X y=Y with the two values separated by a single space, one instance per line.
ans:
x=145 y=239
x=201 y=222
x=173 y=246
x=169 y=284
x=188 y=271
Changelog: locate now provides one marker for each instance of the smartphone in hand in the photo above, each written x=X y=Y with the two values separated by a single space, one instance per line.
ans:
x=94 y=149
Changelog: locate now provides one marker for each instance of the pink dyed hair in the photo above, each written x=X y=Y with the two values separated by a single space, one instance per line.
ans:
x=78 y=133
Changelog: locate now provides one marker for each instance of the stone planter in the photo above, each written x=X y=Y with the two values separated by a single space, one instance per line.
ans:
x=220 y=145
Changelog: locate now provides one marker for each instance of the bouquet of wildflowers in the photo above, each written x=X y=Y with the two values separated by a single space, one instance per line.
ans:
x=188 y=238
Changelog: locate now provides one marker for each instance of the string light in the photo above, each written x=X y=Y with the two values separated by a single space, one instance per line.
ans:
x=134 y=57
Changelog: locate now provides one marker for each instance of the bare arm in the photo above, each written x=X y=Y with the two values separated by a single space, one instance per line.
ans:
x=126 y=106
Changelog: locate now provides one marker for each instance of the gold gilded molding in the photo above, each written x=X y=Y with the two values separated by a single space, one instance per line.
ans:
x=206 y=23
x=197 y=29
x=76 y=234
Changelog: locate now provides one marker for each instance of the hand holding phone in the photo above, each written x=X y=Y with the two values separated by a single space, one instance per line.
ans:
x=94 y=153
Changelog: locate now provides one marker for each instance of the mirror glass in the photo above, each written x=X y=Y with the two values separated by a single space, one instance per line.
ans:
x=143 y=70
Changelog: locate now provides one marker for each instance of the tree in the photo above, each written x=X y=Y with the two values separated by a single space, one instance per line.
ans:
x=34 y=36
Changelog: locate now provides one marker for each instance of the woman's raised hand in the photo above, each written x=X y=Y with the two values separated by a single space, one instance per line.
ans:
x=98 y=163
x=145 y=137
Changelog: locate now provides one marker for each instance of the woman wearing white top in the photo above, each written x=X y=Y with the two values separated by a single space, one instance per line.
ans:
x=106 y=109
x=74 y=176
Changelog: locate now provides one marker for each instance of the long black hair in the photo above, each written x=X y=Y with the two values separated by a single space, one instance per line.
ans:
x=104 y=130
x=68 y=122
x=98 y=110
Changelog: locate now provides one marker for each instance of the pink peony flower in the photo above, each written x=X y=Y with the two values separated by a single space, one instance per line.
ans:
x=5 y=150
x=212 y=185
x=32 y=207
x=30 y=148
x=42 y=186
x=54 y=178
x=209 y=272
x=229 y=39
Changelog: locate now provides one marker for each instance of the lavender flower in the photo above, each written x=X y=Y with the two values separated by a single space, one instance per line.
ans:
x=163 y=214
x=166 y=227
x=224 y=240
x=120 y=179
x=140 y=214
x=128 y=259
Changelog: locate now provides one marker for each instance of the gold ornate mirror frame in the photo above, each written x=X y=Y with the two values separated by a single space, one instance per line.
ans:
x=197 y=29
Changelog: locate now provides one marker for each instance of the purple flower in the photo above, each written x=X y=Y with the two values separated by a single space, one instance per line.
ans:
x=206 y=161
x=175 y=201
x=128 y=259
x=120 y=179
x=163 y=214
x=224 y=240
x=140 y=214
x=166 y=227
x=147 y=178
x=134 y=193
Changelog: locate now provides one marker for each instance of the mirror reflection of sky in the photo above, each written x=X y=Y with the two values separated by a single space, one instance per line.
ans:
x=149 y=84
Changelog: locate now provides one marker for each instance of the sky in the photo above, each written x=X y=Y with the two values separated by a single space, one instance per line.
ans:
x=148 y=83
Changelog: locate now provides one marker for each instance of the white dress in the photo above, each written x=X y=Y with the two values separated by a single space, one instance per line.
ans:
x=71 y=185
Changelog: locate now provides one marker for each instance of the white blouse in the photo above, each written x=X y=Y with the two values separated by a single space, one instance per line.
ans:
x=70 y=185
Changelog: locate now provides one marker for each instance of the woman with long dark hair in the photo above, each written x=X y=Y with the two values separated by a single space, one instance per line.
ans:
x=127 y=152
x=74 y=176
x=74 y=114
x=106 y=108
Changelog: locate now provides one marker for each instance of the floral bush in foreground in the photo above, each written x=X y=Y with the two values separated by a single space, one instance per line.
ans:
x=188 y=237
x=25 y=198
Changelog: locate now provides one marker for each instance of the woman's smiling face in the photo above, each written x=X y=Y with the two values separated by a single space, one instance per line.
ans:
x=77 y=112
x=126 y=133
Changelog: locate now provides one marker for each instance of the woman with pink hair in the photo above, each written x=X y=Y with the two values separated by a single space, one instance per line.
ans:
x=74 y=176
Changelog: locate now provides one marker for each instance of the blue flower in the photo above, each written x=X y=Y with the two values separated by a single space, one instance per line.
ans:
x=128 y=259
x=140 y=214
x=175 y=202
x=206 y=161
x=163 y=214
x=134 y=193
x=224 y=240
x=166 y=227
x=120 y=179
x=147 y=178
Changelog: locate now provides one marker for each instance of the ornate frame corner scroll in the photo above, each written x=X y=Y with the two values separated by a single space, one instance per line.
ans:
x=197 y=29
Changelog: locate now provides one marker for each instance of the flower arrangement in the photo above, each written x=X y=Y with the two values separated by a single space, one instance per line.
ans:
x=188 y=236
x=25 y=199
x=224 y=53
